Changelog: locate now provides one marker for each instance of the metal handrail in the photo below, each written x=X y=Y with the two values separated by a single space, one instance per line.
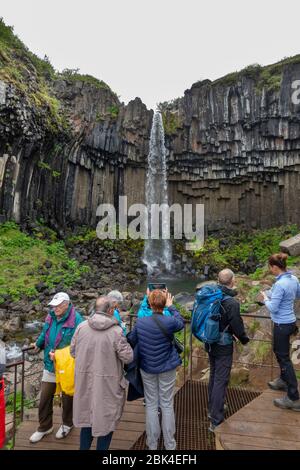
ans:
x=187 y=362
x=14 y=365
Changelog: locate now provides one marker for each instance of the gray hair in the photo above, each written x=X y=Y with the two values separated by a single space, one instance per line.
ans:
x=116 y=295
x=104 y=304
x=225 y=277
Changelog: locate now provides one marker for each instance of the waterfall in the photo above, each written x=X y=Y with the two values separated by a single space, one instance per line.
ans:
x=157 y=253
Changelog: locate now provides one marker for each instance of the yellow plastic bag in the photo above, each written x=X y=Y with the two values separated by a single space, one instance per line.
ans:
x=64 y=371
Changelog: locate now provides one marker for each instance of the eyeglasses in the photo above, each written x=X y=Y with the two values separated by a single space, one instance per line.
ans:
x=60 y=306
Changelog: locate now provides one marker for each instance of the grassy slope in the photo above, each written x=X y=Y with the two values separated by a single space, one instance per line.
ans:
x=256 y=245
x=22 y=263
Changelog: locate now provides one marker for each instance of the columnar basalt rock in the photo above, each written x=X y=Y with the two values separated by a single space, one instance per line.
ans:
x=232 y=144
x=63 y=177
x=236 y=149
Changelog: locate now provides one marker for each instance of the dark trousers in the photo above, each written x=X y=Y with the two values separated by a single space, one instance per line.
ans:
x=86 y=438
x=46 y=407
x=220 y=367
x=281 y=348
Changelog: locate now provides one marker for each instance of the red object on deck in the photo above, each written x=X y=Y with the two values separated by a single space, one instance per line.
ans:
x=2 y=414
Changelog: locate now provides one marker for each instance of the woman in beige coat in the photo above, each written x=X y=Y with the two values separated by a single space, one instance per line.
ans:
x=100 y=350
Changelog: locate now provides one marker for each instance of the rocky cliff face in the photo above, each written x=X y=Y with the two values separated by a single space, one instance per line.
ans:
x=233 y=144
x=62 y=176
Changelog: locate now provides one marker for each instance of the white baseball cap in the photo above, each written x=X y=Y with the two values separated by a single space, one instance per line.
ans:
x=59 y=298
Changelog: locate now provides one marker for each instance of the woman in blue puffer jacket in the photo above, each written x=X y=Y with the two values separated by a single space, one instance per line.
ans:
x=158 y=362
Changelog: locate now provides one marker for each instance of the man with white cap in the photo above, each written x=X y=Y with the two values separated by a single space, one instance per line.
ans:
x=57 y=333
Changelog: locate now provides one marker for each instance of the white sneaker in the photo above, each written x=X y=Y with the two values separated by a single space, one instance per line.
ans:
x=37 y=436
x=63 y=431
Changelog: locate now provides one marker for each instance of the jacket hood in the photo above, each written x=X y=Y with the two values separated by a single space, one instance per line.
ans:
x=228 y=291
x=101 y=321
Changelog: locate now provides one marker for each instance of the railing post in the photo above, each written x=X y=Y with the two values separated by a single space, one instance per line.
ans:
x=184 y=352
x=191 y=356
x=15 y=406
x=22 y=385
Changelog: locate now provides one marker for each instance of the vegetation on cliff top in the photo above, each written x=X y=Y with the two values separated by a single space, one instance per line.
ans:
x=265 y=77
x=32 y=77
x=268 y=77
x=74 y=75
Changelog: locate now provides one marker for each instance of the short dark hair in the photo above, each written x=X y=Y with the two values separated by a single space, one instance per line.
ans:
x=279 y=260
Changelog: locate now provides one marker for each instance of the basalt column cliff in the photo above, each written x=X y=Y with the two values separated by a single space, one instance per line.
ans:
x=67 y=144
x=62 y=175
x=234 y=145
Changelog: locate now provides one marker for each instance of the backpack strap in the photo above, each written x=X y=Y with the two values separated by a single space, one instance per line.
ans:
x=225 y=297
x=162 y=328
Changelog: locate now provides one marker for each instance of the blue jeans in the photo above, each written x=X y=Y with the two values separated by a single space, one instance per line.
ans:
x=86 y=439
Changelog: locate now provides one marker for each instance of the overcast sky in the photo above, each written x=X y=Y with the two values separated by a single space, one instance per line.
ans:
x=155 y=49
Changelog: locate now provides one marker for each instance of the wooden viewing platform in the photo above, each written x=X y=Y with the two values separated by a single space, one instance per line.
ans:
x=130 y=428
x=260 y=425
x=252 y=423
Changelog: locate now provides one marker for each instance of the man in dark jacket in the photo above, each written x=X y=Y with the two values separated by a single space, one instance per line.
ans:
x=220 y=356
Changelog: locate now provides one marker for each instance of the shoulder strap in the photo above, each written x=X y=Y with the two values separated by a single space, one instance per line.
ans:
x=225 y=297
x=162 y=328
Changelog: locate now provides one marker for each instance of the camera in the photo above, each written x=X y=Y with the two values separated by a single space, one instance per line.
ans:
x=157 y=285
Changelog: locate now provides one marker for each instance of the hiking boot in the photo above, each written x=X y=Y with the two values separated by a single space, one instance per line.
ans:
x=212 y=428
x=226 y=408
x=63 y=431
x=278 y=384
x=38 y=435
x=287 y=404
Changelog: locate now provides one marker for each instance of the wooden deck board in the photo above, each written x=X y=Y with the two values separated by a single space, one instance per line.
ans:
x=260 y=425
x=257 y=425
x=130 y=428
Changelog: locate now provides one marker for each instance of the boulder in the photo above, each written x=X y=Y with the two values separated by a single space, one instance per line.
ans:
x=291 y=245
x=90 y=295
x=205 y=375
x=185 y=299
x=13 y=325
x=239 y=376
x=2 y=315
